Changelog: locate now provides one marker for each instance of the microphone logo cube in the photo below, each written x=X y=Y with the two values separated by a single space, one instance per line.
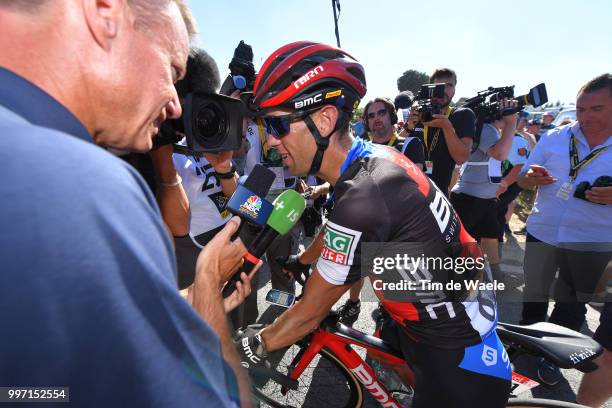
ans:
x=251 y=206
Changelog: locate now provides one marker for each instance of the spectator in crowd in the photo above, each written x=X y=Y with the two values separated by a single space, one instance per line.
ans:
x=508 y=189
x=380 y=115
x=547 y=125
x=533 y=129
x=565 y=232
x=98 y=284
x=448 y=137
x=474 y=197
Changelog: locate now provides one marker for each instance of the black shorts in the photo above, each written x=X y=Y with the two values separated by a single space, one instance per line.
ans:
x=603 y=334
x=440 y=381
x=478 y=215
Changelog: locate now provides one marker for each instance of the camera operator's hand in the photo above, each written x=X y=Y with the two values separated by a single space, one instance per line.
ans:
x=507 y=104
x=599 y=195
x=221 y=162
x=220 y=258
x=439 y=121
x=536 y=176
x=413 y=119
x=503 y=186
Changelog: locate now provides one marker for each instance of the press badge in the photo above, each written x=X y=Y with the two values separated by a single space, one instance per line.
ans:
x=566 y=190
x=428 y=167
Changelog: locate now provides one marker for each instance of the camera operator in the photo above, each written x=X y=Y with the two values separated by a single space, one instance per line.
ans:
x=508 y=189
x=192 y=191
x=474 y=196
x=570 y=226
x=448 y=137
x=92 y=302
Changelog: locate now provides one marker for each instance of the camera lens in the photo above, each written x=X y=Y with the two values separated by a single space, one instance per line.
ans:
x=210 y=122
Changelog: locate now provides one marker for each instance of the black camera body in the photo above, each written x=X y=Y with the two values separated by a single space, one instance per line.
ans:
x=213 y=122
x=424 y=104
x=486 y=104
x=581 y=188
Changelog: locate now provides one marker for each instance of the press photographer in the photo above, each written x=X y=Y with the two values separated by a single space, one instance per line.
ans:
x=446 y=132
x=475 y=194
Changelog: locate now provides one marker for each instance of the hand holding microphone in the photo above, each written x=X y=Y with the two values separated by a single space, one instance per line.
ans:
x=287 y=210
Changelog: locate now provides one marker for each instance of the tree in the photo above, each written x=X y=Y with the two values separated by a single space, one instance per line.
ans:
x=412 y=80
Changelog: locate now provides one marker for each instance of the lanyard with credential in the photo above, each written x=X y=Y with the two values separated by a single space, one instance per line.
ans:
x=262 y=137
x=575 y=164
x=391 y=141
x=434 y=142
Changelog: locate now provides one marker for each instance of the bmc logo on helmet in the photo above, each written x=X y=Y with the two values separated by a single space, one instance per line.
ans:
x=309 y=101
x=308 y=76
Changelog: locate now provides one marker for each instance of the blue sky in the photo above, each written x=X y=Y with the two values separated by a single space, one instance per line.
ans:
x=489 y=43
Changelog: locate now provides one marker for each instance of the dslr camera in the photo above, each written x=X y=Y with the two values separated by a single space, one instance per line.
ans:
x=486 y=104
x=212 y=122
x=424 y=104
x=602 y=181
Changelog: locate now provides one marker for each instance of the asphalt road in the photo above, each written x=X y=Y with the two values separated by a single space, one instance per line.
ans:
x=509 y=312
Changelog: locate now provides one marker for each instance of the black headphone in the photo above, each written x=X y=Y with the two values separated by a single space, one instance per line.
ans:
x=390 y=108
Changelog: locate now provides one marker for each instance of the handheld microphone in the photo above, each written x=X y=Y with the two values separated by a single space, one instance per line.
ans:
x=248 y=201
x=288 y=208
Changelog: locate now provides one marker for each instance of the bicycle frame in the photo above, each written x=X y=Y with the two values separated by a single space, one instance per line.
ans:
x=341 y=348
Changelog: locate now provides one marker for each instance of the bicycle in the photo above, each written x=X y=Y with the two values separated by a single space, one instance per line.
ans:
x=326 y=362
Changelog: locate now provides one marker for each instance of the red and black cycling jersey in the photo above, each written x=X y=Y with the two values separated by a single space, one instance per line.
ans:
x=382 y=197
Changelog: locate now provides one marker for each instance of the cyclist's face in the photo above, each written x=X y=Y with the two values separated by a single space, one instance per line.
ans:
x=296 y=148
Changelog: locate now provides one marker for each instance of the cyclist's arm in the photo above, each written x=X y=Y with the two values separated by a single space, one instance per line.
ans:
x=305 y=316
x=312 y=253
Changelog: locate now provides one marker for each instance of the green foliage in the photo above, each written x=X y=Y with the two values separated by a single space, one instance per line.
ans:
x=412 y=80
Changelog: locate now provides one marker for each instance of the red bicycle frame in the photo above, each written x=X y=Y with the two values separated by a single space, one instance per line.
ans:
x=341 y=348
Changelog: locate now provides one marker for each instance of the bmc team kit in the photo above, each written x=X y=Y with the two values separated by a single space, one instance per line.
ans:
x=325 y=370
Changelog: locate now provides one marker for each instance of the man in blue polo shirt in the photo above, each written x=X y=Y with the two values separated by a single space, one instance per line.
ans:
x=89 y=294
x=565 y=232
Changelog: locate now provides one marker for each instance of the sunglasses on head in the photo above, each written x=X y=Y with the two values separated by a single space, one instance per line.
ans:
x=279 y=126
x=381 y=112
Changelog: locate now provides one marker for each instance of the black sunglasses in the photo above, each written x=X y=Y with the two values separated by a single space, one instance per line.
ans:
x=381 y=112
x=279 y=126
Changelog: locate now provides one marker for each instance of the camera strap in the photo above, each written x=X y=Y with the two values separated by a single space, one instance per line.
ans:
x=434 y=140
x=575 y=164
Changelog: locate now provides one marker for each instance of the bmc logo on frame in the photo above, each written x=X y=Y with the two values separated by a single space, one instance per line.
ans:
x=374 y=387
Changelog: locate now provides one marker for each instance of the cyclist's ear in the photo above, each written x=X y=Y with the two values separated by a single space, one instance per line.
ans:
x=327 y=117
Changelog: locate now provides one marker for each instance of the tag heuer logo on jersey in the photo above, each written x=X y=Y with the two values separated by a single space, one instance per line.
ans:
x=339 y=243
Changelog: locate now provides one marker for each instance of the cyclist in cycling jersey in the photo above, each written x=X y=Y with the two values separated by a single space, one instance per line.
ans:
x=307 y=92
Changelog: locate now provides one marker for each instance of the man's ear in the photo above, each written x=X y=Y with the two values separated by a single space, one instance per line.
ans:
x=103 y=19
x=328 y=117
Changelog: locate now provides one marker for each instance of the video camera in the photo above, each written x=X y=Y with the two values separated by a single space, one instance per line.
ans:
x=424 y=104
x=212 y=122
x=486 y=104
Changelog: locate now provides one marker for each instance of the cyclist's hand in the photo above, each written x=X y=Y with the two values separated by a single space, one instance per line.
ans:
x=250 y=347
x=292 y=266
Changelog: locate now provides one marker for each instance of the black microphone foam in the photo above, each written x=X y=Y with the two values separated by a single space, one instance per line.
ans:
x=260 y=180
